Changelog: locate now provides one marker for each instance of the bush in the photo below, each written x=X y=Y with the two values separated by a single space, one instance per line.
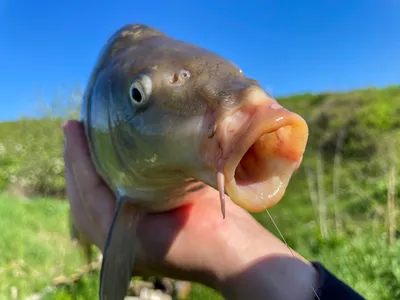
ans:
x=31 y=156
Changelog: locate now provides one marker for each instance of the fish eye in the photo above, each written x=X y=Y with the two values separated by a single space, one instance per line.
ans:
x=140 y=90
x=136 y=93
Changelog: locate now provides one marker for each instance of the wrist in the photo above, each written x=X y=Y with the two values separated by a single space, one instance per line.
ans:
x=257 y=265
x=272 y=278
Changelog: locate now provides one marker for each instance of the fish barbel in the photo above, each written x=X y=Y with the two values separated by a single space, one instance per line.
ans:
x=163 y=119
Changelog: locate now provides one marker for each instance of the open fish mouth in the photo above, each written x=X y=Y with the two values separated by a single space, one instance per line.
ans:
x=261 y=147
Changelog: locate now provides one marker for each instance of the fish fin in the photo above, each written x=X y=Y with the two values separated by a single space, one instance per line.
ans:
x=118 y=254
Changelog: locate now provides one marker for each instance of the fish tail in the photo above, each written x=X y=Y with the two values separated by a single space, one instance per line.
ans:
x=118 y=254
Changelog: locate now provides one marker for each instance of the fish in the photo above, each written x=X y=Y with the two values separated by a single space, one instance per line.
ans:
x=165 y=118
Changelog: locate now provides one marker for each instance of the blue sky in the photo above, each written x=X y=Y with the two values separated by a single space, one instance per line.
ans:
x=289 y=46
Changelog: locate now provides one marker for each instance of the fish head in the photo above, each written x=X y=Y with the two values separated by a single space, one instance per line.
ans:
x=184 y=111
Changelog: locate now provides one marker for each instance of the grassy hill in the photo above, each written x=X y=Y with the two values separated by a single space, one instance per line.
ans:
x=340 y=207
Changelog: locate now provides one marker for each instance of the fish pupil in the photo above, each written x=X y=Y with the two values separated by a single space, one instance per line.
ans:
x=136 y=95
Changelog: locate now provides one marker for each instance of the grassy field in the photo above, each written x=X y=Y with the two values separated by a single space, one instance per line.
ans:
x=35 y=249
x=341 y=207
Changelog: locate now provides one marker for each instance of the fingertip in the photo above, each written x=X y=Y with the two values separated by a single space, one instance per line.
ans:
x=65 y=126
x=75 y=142
x=71 y=127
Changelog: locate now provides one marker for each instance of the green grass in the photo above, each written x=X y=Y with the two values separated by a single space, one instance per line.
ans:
x=34 y=245
x=35 y=248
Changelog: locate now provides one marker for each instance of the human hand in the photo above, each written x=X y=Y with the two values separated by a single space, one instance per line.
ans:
x=192 y=242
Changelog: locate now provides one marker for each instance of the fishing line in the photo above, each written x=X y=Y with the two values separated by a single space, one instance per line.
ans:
x=284 y=240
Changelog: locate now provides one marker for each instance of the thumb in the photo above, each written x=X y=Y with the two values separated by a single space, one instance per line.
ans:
x=92 y=202
x=77 y=156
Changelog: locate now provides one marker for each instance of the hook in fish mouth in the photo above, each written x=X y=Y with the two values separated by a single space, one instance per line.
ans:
x=262 y=146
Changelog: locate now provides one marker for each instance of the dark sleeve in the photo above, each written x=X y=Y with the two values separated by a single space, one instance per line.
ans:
x=331 y=288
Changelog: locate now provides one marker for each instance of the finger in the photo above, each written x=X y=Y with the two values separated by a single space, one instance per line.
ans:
x=92 y=202
x=77 y=155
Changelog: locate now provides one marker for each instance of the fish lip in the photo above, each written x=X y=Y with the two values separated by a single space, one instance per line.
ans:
x=268 y=118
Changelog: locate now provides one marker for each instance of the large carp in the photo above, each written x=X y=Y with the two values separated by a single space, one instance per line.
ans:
x=163 y=119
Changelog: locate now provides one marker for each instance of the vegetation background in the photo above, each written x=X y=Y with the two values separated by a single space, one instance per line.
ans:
x=340 y=208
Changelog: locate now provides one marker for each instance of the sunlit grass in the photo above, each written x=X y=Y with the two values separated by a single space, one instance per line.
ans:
x=35 y=249
x=34 y=246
